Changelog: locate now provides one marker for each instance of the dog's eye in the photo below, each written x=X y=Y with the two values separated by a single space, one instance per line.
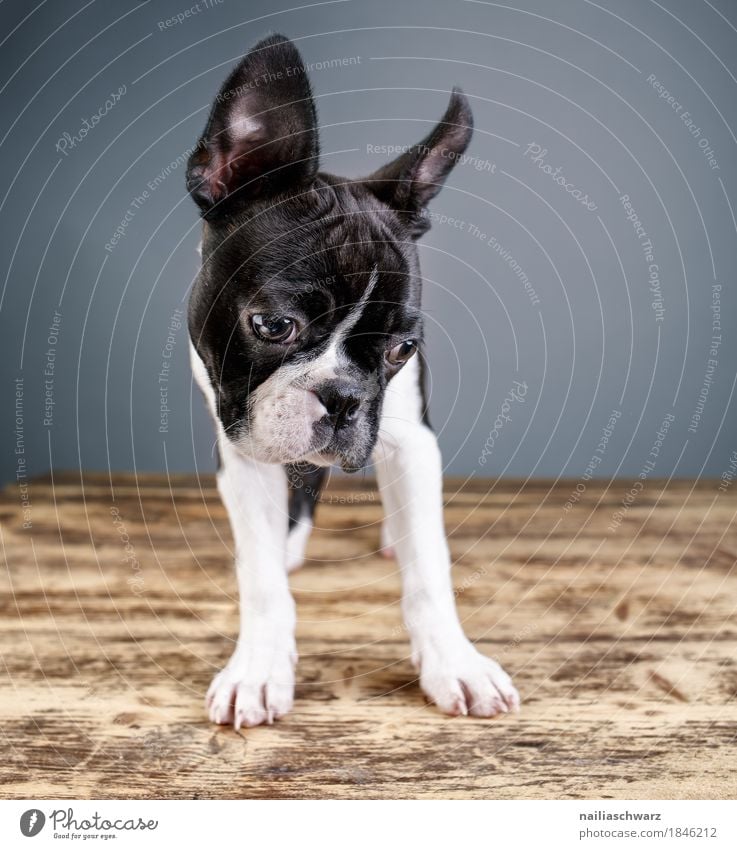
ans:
x=399 y=354
x=274 y=328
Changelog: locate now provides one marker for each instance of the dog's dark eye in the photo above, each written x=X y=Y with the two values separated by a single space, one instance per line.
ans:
x=274 y=328
x=399 y=354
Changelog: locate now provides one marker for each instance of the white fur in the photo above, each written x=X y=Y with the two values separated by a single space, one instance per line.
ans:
x=297 y=543
x=257 y=684
x=202 y=379
x=283 y=413
x=452 y=673
x=387 y=546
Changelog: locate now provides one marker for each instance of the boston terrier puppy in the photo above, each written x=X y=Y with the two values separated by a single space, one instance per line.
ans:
x=306 y=335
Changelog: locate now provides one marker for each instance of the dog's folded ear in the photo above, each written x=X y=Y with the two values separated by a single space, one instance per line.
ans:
x=412 y=180
x=261 y=136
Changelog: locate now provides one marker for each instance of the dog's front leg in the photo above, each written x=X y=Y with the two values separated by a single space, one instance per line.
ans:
x=452 y=673
x=257 y=685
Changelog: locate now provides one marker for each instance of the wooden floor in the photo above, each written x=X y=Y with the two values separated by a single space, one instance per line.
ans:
x=623 y=644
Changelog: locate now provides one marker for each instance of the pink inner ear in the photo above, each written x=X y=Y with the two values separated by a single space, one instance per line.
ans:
x=429 y=168
x=240 y=153
x=218 y=171
x=241 y=125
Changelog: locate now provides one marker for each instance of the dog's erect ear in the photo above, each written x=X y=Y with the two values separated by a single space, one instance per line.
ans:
x=409 y=183
x=261 y=136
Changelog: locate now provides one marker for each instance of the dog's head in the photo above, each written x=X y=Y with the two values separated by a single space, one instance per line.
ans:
x=308 y=301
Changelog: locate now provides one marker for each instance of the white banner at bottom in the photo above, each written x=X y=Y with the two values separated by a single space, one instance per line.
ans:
x=368 y=824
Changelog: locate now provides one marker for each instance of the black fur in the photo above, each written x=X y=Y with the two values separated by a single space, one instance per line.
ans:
x=305 y=484
x=278 y=149
x=283 y=238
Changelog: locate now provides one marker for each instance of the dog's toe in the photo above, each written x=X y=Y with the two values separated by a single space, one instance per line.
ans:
x=261 y=705
x=219 y=700
x=503 y=684
x=246 y=694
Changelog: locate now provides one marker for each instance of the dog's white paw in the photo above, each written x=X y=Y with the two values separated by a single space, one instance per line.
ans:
x=461 y=681
x=253 y=689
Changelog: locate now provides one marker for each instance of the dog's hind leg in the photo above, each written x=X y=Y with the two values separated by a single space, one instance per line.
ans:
x=387 y=543
x=305 y=483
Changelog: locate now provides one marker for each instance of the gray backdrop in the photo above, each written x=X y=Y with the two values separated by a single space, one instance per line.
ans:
x=578 y=300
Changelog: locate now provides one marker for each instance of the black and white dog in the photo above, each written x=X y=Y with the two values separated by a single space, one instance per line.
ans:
x=305 y=326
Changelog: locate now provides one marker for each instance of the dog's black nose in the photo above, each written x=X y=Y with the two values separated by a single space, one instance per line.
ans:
x=340 y=399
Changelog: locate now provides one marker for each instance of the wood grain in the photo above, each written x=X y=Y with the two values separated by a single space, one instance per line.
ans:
x=623 y=644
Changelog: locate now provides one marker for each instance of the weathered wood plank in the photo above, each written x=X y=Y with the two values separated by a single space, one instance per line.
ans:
x=623 y=644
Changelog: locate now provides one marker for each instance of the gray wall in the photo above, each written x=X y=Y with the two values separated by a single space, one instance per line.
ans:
x=529 y=285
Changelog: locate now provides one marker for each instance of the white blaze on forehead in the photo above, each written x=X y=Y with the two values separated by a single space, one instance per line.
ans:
x=327 y=364
x=349 y=322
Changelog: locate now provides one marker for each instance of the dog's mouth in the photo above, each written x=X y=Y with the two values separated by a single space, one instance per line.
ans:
x=347 y=447
x=293 y=427
x=322 y=458
x=340 y=449
x=326 y=458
